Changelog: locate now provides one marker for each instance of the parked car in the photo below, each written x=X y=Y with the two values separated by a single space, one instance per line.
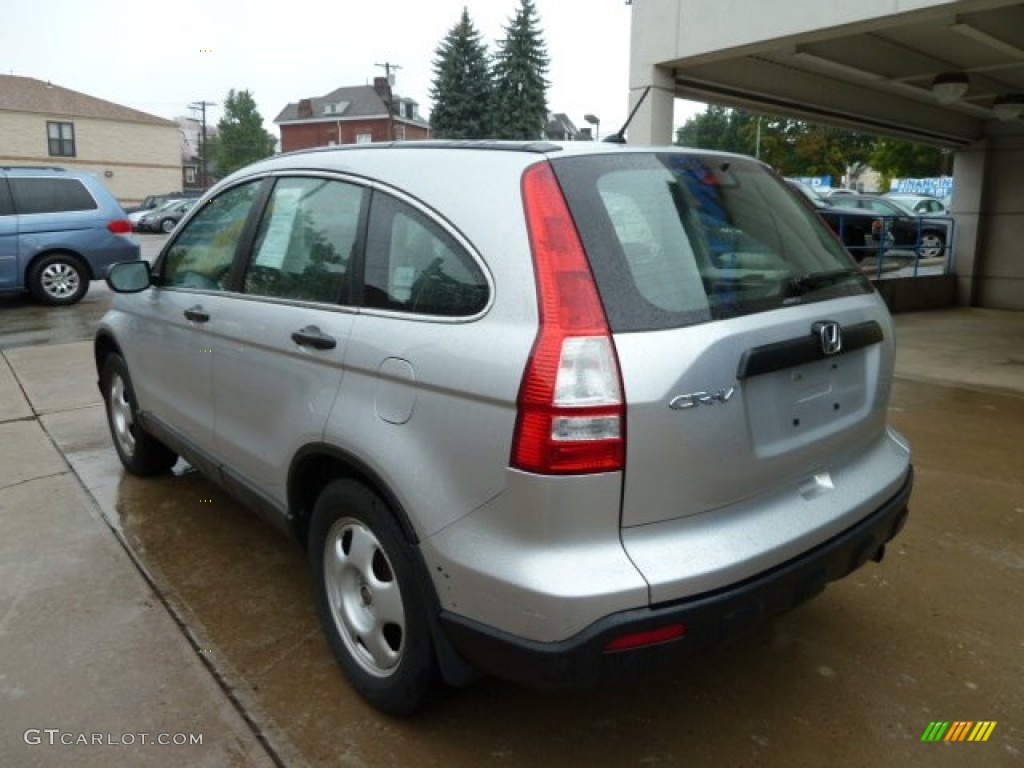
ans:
x=921 y=205
x=925 y=237
x=164 y=218
x=155 y=201
x=135 y=216
x=562 y=445
x=59 y=230
x=855 y=227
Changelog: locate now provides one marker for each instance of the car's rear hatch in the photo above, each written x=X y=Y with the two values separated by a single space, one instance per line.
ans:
x=753 y=354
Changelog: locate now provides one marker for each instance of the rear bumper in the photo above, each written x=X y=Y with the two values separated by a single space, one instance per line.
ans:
x=710 y=619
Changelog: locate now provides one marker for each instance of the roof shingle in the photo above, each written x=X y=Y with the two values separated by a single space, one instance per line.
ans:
x=26 y=94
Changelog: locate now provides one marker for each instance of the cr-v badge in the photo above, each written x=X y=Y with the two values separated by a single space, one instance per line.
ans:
x=693 y=399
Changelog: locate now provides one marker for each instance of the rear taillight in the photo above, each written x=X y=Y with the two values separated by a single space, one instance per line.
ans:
x=571 y=414
x=120 y=226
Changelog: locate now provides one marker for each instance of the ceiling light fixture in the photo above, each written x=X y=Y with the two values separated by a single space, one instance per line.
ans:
x=1009 y=106
x=950 y=86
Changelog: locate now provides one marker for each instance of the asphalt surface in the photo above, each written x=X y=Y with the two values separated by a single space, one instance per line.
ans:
x=162 y=606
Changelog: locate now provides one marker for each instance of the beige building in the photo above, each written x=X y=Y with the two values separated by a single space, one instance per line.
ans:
x=949 y=73
x=134 y=153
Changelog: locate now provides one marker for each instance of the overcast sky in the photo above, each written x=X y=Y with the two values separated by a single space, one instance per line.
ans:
x=159 y=57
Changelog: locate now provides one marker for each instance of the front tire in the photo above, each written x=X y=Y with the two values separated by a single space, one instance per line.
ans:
x=167 y=226
x=140 y=453
x=58 y=279
x=368 y=597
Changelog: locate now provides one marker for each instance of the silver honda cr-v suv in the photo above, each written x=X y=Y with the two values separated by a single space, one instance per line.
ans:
x=555 y=413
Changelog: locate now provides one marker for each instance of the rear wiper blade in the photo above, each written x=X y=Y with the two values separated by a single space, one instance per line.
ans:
x=811 y=280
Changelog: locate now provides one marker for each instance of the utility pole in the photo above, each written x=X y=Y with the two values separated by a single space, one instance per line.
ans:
x=387 y=66
x=201 y=107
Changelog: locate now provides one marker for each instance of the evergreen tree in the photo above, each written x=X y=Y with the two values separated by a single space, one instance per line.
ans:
x=462 y=85
x=520 y=108
x=461 y=90
x=241 y=137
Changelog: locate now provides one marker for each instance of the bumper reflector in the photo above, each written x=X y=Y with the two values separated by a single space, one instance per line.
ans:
x=647 y=637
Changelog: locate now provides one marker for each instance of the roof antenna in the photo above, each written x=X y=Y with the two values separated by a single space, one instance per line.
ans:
x=619 y=137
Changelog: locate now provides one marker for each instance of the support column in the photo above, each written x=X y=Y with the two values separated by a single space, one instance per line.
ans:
x=988 y=202
x=652 y=124
x=968 y=189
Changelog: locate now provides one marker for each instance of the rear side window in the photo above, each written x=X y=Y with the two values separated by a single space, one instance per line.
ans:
x=6 y=206
x=678 y=238
x=413 y=265
x=50 y=195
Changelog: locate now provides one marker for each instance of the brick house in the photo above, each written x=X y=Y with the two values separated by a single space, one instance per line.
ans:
x=351 y=115
x=134 y=153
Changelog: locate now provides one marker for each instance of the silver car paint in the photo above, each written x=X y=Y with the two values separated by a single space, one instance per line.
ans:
x=686 y=462
x=272 y=396
x=430 y=405
x=542 y=560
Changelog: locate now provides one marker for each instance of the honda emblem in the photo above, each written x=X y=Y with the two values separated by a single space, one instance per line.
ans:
x=830 y=335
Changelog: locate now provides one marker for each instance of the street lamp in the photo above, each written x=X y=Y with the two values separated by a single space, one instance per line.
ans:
x=596 y=122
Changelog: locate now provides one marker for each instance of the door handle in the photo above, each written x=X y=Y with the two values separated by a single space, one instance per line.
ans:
x=197 y=314
x=312 y=336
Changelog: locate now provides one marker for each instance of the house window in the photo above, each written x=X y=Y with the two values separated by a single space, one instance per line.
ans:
x=190 y=175
x=61 y=138
x=364 y=138
x=399 y=132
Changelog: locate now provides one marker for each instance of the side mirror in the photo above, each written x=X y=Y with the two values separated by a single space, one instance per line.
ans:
x=129 y=277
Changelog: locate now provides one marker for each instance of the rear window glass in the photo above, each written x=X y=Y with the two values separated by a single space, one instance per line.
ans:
x=50 y=195
x=679 y=238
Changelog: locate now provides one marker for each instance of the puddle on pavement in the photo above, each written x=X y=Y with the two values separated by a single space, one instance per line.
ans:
x=851 y=677
x=26 y=322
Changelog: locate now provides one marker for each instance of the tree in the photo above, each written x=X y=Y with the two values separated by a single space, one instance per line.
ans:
x=520 y=107
x=901 y=159
x=789 y=146
x=241 y=137
x=462 y=84
x=717 y=128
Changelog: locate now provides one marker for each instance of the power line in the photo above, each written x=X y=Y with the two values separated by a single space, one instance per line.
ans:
x=201 y=107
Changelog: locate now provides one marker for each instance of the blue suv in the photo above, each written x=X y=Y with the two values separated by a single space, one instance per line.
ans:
x=58 y=230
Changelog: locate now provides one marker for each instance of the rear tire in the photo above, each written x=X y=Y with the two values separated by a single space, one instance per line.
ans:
x=167 y=226
x=140 y=453
x=932 y=245
x=369 y=599
x=58 y=279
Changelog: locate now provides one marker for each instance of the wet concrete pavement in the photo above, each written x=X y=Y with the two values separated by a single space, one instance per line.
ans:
x=223 y=621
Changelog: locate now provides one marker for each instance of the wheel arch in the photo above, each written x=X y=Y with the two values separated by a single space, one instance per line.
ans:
x=317 y=464
x=58 y=251
x=103 y=346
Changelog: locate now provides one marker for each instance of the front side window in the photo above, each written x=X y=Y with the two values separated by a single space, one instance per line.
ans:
x=306 y=240
x=681 y=238
x=50 y=195
x=60 y=138
x=413 y=265
x=202 y=254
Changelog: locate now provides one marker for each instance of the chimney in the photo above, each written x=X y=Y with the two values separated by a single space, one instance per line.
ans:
x=305 y=108
x=383 y=89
